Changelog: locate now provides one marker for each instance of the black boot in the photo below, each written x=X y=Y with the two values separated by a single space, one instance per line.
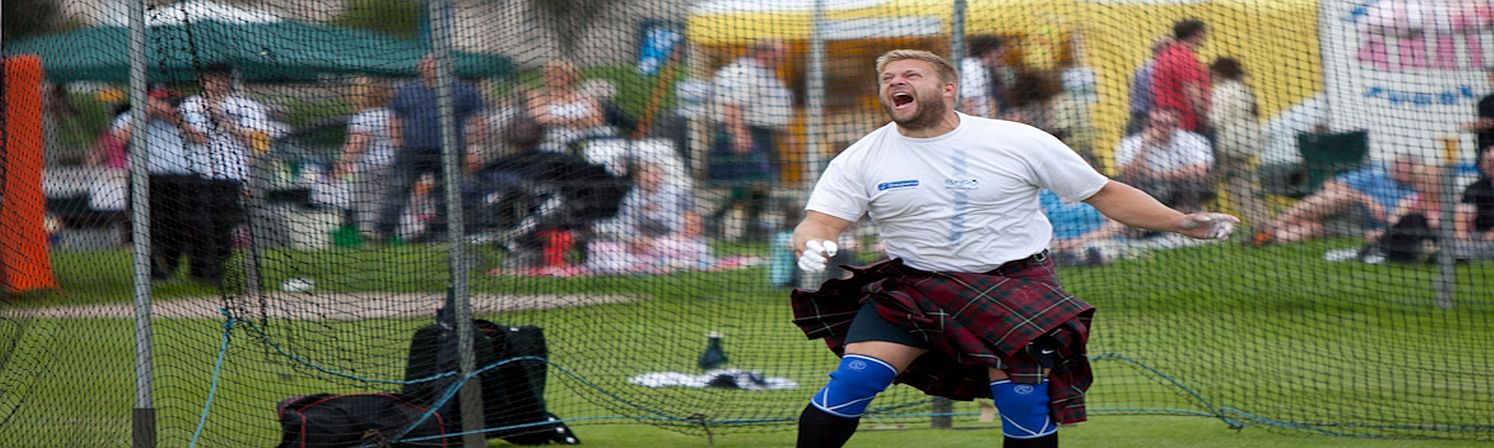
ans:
x=819 y=429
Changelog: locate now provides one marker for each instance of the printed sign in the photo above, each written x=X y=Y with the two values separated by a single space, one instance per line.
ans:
x=1408 y=71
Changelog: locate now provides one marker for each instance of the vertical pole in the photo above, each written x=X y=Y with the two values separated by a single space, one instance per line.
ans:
x=957 y=35
x=814 y=119
x=470 y=396
x=943 y=407
x=1446 y=264
x=143 y=416
x=943 y=411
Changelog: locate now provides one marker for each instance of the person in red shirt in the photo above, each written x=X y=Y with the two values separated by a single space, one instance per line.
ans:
x=1181 y=82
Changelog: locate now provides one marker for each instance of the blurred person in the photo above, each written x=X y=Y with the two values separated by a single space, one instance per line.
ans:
x=1033 y=92
x=1477 y=204
x=415 y=129
x=1180 y=82
x=109 y=150
x=567 y=112
x=1142 y=99
x=1239 y=139
x=368 y=150
x=617 y=120
x=1413 y=234
x=983 y=89
x=1081 y=234
x=1167 y=162
x=175 y=189
x=955 y=198
x=1377 y=190
x=1474 y=214
x=753 y=107
x=656 y=229
x=1483 y=126
x=234 y=131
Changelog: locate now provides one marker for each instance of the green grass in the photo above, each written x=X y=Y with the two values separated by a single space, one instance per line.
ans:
x=1260 y=337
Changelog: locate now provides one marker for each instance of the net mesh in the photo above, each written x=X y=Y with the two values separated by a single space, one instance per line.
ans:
x=629 y=173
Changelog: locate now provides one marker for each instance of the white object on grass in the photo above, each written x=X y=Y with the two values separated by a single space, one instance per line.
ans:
x=296 y=284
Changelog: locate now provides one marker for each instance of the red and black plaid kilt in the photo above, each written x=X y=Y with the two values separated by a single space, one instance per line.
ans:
x=971 y=321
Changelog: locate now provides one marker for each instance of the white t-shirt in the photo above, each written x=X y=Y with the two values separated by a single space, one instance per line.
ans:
x=168 y=149
x=965 y=201
x=975 y=83
x=375 y=123
x=765 y=100
x=1187 y=149
x=225 y=156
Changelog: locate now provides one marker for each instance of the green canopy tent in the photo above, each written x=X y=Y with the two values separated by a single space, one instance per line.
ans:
x=263 y=51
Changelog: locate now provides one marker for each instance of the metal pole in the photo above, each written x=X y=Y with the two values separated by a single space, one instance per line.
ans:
x=1446 y=263
x=814 y=116
x=957 y=36
x=943 y=407
x=814 y=119
x=143 y=416
x=451 y=159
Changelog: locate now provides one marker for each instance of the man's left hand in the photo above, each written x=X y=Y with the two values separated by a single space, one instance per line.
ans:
x=1207 y=226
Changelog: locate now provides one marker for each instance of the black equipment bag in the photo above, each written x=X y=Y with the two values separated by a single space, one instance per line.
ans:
x=353 y=420
x=512 y=393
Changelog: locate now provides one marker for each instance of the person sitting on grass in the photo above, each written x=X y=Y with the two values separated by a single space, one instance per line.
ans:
x=1167 y=162
x=1081 y=235
x=1377 y=189
x=656 y=229
x=1475 y=214
x=1413 y=234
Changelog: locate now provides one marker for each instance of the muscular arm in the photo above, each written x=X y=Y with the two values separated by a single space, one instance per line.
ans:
x=817 y=226
x=1134 y=208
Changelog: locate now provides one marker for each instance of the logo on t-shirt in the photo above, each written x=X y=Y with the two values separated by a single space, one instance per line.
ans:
x=962 y=184
x=884 y=186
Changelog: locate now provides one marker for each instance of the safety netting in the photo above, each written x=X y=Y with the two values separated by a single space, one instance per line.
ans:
x=284 y=242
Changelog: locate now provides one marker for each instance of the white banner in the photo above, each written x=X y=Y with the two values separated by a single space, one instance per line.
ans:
x=1409 y=71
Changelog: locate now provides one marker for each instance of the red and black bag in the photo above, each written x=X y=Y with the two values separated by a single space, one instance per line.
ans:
x=353 y=420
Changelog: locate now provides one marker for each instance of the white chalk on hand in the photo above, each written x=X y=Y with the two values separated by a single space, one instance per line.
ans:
x=816 y=255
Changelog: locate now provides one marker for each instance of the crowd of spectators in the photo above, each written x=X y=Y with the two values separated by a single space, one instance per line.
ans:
x=1193 y=140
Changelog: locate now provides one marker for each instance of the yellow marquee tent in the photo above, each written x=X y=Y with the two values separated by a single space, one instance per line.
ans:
x=1276 y=40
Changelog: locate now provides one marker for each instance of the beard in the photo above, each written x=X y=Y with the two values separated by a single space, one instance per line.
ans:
x=930 y=110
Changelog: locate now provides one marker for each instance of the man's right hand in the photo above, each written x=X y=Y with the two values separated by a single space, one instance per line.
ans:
x=816 y=255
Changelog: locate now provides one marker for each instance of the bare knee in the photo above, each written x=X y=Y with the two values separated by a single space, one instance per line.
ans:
x=899 y=356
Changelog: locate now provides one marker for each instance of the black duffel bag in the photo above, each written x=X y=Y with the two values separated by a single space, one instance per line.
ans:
x=354 y=420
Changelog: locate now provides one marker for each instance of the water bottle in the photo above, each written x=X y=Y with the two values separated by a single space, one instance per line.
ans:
x=781 y=260
x=713 y=357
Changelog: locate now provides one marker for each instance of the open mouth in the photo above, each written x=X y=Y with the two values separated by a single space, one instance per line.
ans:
x=902 y=100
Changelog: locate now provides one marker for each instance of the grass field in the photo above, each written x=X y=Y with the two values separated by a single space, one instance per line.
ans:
x=1273 y=339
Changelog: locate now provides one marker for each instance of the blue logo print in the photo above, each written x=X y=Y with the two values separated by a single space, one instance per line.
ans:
x=884 y=186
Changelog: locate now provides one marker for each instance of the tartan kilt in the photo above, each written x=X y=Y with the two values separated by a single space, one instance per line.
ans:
x=972 y=322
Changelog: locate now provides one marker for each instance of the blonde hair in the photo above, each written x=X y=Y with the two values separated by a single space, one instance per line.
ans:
x=942 y=67
x=367 y=92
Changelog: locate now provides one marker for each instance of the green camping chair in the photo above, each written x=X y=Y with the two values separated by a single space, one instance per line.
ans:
x=1327 y=155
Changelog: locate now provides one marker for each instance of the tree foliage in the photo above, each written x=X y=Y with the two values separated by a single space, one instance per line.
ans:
x=398 y=18
x=29 y=17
